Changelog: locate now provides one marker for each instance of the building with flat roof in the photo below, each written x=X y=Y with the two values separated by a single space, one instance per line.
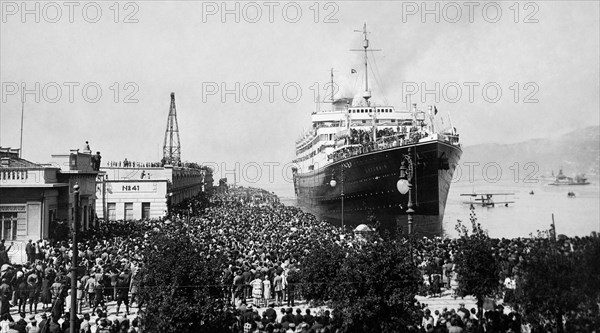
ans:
x=34 y=197
x=132 y=190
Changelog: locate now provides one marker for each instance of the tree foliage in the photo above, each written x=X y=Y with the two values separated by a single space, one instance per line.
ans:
x=475 y=262
x=319 y=271
x=371 y=287
x=181 y=285
x=558 y=281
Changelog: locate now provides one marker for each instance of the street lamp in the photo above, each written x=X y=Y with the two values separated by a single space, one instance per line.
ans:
x=404 y=186
x=333 y=183
x=74 y=259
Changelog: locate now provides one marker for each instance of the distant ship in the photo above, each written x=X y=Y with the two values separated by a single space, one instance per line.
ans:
x=362 y=161
x=561 y=179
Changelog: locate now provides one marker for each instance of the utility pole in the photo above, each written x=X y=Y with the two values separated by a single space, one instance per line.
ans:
x=342 y=194
x=72 y=327
x=21 y=142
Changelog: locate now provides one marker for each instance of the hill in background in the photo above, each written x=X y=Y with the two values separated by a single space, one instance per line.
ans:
x=574 y=152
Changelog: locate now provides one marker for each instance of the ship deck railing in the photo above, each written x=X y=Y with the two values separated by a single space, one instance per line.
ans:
x=387 y=142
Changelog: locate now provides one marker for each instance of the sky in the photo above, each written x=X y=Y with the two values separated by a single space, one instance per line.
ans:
x=103 y=72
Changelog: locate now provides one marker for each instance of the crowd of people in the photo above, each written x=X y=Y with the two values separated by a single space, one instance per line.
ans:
x=461 y=319
x=248 y=319
x=40 y=288
x=133 y=164
x=264 y=242
x=110 y=260
x=361 y=141
x=437 y=259
x=265 y=248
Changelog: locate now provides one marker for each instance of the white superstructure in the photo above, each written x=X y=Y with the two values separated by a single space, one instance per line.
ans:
x=351 y=128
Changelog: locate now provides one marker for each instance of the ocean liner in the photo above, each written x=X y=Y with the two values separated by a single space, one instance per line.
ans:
x=361 y=162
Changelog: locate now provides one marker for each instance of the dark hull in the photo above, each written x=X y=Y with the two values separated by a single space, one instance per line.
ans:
x=369 y=187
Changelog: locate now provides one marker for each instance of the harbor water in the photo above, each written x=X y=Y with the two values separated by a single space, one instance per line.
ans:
x=529 y=213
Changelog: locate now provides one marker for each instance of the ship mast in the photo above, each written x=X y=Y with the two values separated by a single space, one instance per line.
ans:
x=367 y=92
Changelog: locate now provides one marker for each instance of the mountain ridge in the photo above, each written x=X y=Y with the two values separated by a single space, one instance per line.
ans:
x=577 y=151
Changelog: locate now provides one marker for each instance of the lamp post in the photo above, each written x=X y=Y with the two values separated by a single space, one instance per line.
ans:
x=404 y=186
x=104 y=204
x=333 y=183
x=74 y=260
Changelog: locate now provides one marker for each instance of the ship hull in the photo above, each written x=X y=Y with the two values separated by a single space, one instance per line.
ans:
x=369 y=186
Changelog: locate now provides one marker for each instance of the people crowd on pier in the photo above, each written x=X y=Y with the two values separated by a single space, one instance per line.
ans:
x=110 y=257
x=264 y=242
x=133 y=164
x=109 y=263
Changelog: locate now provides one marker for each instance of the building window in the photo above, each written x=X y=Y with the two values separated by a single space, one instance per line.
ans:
x=112 y=211
x=145 y=210
x=128 y=211
x=9 y=225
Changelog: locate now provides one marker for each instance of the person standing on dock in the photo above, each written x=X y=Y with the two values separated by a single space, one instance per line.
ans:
x=266 y=289
x=257 y=290
x=30 y=251
x=278 y=282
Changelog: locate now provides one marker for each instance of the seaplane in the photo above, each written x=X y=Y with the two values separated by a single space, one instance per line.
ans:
x=485 y=199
